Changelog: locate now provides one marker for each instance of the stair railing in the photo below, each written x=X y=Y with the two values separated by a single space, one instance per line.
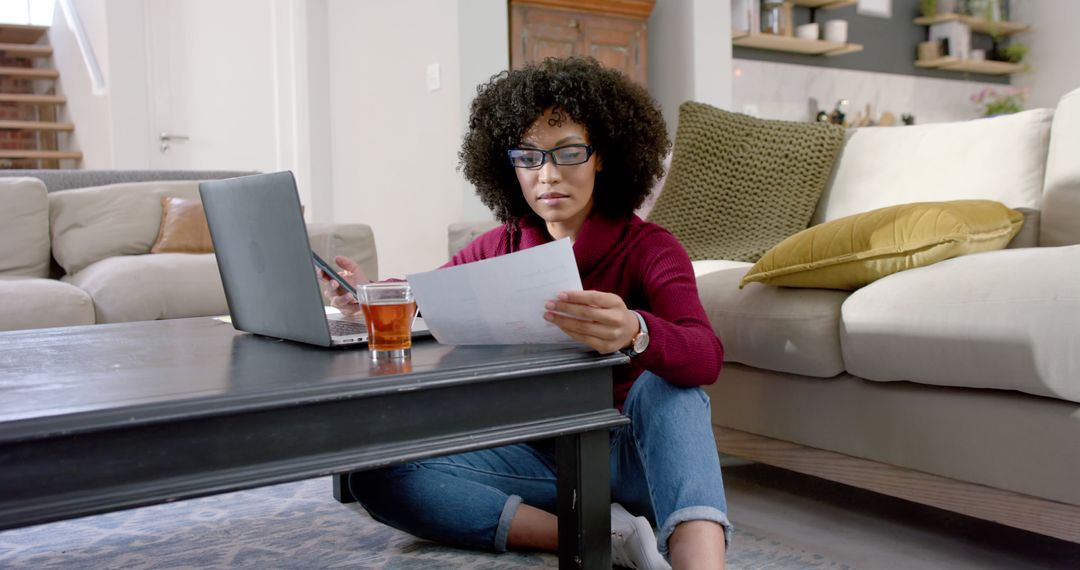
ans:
x=74 y=23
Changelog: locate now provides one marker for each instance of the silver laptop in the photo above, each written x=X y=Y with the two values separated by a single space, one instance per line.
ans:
x=265 y=261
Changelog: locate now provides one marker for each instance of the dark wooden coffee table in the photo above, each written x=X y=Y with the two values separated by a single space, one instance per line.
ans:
x=109 y=417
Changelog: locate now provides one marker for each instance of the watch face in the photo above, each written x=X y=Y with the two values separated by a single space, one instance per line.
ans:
x=641 y=343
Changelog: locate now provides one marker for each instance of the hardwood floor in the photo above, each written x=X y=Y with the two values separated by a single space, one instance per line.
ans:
x=868 y=530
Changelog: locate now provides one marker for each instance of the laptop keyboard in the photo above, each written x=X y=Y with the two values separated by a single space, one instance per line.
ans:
x=345 y=328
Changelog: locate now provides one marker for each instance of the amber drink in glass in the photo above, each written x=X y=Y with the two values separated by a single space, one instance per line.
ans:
x=389 y=309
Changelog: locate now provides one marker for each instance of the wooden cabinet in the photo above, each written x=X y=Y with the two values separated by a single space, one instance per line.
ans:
x=612 y=31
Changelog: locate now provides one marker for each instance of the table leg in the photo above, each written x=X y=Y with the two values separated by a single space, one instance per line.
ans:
x=341 y=488
x=584 y=502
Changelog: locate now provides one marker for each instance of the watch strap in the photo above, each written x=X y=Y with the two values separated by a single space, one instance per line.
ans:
x=644 y=330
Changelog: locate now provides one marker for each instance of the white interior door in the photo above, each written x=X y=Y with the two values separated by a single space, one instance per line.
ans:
x=213 y=87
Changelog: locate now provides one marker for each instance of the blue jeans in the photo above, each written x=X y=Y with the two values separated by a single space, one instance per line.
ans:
x=664 y=466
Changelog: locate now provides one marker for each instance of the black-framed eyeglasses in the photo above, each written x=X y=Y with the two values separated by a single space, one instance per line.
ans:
x=534 y=158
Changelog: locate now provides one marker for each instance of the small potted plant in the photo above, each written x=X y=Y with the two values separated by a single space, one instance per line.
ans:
x=1014 y=52
x=991 y=102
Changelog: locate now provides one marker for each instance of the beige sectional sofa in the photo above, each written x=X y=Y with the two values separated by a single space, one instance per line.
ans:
x=956 y=384
x=79 y=256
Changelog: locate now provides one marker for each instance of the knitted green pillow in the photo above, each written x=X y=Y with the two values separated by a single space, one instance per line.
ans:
x=739 y=185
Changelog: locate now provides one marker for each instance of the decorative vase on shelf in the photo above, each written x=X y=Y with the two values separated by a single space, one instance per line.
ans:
x=989 y=10
x=776 y=18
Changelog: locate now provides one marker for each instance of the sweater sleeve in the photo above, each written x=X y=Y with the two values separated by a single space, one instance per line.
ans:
x=683 y=348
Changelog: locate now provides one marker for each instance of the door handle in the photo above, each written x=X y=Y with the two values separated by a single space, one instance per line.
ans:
x=166 y=139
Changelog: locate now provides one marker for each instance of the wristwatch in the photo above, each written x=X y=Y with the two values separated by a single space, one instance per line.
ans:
x=641 y=340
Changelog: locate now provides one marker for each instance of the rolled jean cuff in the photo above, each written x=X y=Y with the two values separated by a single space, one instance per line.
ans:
x=692 y=514
x=502 y=532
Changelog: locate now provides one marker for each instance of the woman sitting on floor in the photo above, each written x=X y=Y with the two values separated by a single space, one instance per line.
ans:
x=569 y=149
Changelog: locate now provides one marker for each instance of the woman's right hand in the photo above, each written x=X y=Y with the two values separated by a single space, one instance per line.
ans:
x=335 y=293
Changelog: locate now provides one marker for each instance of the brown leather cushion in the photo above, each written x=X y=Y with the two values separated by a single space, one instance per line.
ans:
x=183 y=227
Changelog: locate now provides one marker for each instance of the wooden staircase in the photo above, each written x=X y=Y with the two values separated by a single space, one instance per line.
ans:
x=30 y=132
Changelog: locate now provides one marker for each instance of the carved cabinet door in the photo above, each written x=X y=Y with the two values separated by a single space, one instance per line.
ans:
x=616 y=41
x=538 y=33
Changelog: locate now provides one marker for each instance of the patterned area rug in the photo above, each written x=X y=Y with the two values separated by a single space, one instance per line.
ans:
x=295 y=525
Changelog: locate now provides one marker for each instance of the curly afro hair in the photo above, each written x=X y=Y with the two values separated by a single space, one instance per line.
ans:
x=623 y=123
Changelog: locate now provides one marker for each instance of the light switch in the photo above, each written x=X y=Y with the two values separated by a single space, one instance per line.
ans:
x=434 y=77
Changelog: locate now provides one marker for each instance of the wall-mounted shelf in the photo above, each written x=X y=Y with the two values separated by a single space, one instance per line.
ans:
x=986 y=67
x=794 y=45
x=977 y=24
x=825 y=4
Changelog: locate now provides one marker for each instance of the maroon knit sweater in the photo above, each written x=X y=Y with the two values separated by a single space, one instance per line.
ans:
x=646 y=266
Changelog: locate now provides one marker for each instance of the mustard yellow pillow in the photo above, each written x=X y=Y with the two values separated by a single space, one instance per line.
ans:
x=853 y=251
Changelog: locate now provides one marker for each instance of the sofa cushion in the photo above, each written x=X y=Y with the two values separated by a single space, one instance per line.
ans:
x=91 y=224
x=1061 y=198
x=34 y=303
x=355 y=241
x=1005 y=319
x=148 y=287
x=739 y=185
x=886 y=166
x=183 y=227
x=853 y=251
x=789 y=330
x=24 y=227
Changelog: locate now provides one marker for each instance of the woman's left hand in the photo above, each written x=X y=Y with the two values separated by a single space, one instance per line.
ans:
x=598 y=319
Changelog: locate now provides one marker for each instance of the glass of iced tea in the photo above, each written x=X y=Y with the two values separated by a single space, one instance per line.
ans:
x=389 y=309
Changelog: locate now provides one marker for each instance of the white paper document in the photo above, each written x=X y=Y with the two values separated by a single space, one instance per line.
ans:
x=498 y=300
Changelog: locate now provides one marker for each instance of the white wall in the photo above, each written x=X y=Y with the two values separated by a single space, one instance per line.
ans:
x=712 y=52
x=484 y=34
x=393 y=141
x=300 y=110
x=690 y=55
x=128 y=89
x=319 y=162
x=92 y=113
x=111 y=128
x=1055 y=49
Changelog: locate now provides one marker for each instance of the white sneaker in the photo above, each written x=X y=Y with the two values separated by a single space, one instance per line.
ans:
x=633 y=543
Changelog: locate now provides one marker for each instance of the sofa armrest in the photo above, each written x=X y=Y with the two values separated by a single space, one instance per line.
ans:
x=24 y=228
x=355 y=241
